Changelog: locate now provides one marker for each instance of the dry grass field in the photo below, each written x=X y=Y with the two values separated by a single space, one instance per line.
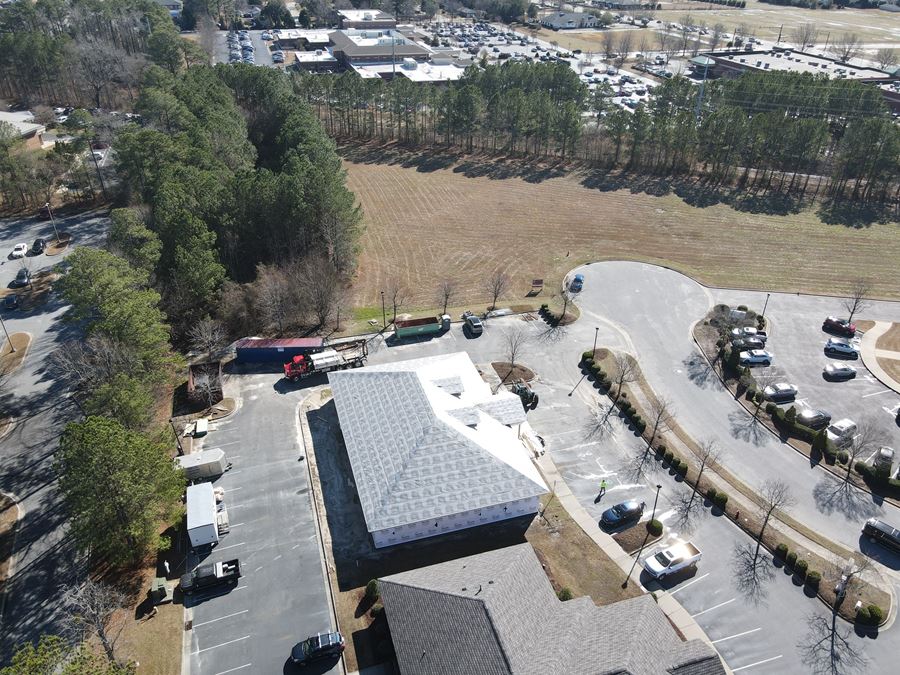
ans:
x=459 y=220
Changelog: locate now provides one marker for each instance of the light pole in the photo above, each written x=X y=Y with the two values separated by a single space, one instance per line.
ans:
x=383 y=313
x=52 y=221
x=655 y=499
x=12 y=348
x=596 y=333
x=766 y=303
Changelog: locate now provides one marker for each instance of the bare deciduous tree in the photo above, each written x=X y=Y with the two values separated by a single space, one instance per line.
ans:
x=804 y=34
x=497 y=285
x=514 y=342
x=623 y=47
x=319 y=285
x=626 y=372
x=275 y=296
x=446 y=292
x=91 y=607
x=207 y=388
x=829 y=649
x=99 y=64
x=715 y=36
x=857 y=300
x=206 y=336
x=91 y=362
x=396 y=295
x=846 y=47
x=659 y=417
x=886 y=57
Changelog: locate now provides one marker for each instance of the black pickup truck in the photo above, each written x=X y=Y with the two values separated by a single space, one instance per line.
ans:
x=211 y=575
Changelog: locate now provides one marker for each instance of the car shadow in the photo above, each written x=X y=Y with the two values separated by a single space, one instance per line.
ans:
x=670 y=581
x=315 y=668
x=879 y=553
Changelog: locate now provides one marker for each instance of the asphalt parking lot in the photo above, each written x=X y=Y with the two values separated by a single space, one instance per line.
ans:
x=261 y=52
x=282 y=597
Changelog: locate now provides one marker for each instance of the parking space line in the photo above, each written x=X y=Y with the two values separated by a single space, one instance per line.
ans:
x=731 y=637
x=709 y=609
x=689 y=584
x=225 y=548
x=227 y=616
x=235 y=524
x=758 y=663
x=878 y=393
x=200 y=651
x=231 y=670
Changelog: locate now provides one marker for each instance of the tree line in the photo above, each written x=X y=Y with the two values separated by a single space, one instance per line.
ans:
x=768 y=130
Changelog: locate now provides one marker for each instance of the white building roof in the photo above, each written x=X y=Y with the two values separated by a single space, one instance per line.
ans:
x=320 y=37
x=419 y=452
x=317 y=56
x=364 y=15
x=23 y=122
x=423 y=72
x=201 y=505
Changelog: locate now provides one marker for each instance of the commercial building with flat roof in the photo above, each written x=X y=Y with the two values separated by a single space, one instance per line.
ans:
x=365 y=18
x=352 y=47
x=732 y=63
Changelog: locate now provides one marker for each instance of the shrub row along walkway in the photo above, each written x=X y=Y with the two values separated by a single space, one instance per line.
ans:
x=741 y=503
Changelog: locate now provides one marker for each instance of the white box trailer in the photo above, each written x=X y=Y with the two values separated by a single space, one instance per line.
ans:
x=202 y=522
x=205 y=464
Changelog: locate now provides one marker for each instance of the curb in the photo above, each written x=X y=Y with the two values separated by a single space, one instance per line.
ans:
x=11 y=568
x=867 y=348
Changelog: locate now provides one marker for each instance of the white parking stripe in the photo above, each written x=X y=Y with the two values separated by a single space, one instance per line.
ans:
x=200 y=651
x=231 y=670
x=878 y=393
x=709 y=609
x=688 y=584
x=731 y=637
x=227 y=616
x=225 y=548
x=758 y=663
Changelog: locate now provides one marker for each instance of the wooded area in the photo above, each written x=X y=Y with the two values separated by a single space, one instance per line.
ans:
x=765 y=131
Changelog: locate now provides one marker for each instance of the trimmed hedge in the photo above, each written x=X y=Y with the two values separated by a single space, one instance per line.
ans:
x=660 y=450
x=791 y=559
x=372 y=590
x=668 y=455
x=781 y=551
x=711 y=494
x=801 y=568
x=812 y=580
x=564 y=594
x=889 y=487
x=585 y=356
x=654 y=527
x=720 y=500
x=871 y=615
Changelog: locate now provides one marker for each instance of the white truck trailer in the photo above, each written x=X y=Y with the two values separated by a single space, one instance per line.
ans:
x=204 y=464
x=206 y=520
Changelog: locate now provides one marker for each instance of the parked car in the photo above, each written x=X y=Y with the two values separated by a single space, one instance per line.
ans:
x=839 y=326
x=839 y=371
x=622 y=513
x=780 y=391
x=756 y=357
x=315 y=647
x=11 y=301
x=39 y=246
x=814 y=419
x=749 y=332
x=472 y=323
x=878 y=531
x=671 y=560
x=23 y=278
x=19 y=251
x=747 y=344
x=842 y=347
x=842 y=432
x=577 y=283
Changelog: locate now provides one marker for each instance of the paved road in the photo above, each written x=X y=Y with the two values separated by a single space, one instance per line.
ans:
x=45 y=559
x=281 y=598
x=654 y=309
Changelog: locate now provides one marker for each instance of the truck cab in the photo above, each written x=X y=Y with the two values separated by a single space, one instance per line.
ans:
x=211 y=575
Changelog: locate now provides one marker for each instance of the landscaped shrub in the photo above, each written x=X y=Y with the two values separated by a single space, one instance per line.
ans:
x=771 y=408
x=660 y=450
x=587 y=356
x=791 y=415
x=742 y=308
x=791 y=559
x=668 y=455
x=721 y=500
x=800 y=568
x=812 y=579
x=781 y=551
x=889 y=487
x=870 y=615
x=564 y=594
x=711 y=494
x=843 y=457
x=654 y=527
x=372 y=590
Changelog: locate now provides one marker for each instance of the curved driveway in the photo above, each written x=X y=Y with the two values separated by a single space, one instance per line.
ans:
x=655 y=308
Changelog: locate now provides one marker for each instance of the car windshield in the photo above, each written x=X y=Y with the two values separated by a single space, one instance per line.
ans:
x=662 y=559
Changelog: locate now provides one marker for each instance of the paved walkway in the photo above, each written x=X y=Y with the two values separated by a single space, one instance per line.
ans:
x=870 y=354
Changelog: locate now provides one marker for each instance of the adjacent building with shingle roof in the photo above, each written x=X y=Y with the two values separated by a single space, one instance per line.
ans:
x=496 y=614
x=433 y=449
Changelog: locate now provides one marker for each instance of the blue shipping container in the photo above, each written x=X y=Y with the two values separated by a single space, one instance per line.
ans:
x=275 y=350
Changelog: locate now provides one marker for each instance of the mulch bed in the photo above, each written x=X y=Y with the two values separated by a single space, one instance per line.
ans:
x=519 y=372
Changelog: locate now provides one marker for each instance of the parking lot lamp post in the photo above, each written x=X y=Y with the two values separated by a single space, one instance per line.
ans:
x=12 y=348
x=768 y=295
x=655 y=499
x=596 y=333
x=52 y=221
x=383 y=313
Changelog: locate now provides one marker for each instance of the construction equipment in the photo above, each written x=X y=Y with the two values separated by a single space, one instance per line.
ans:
x=524 y=392
x=339 y=357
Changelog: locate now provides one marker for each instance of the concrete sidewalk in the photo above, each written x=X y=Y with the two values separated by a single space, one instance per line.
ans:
x=870 y=354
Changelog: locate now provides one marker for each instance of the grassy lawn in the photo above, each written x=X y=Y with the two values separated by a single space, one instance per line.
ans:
x=11 y=360
x=462 y=220
x=890 y=341
x=8 y=518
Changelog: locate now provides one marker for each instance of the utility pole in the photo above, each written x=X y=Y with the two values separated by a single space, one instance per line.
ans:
x=702 y=88
x=52 y=221
x=655 y=500
x=596 y=333
x=778 y=41
x=99 y=173
x=383 y=313
x=768 y=295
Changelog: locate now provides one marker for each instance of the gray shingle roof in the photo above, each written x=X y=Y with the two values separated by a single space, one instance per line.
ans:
x=496 y=613
x=415 y=456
